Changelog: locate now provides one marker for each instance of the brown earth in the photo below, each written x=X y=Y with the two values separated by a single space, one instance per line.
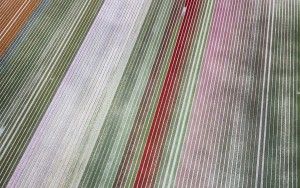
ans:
x=14 y=14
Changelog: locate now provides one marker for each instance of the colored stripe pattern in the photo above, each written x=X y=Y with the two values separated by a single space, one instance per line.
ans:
x=149 y=93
